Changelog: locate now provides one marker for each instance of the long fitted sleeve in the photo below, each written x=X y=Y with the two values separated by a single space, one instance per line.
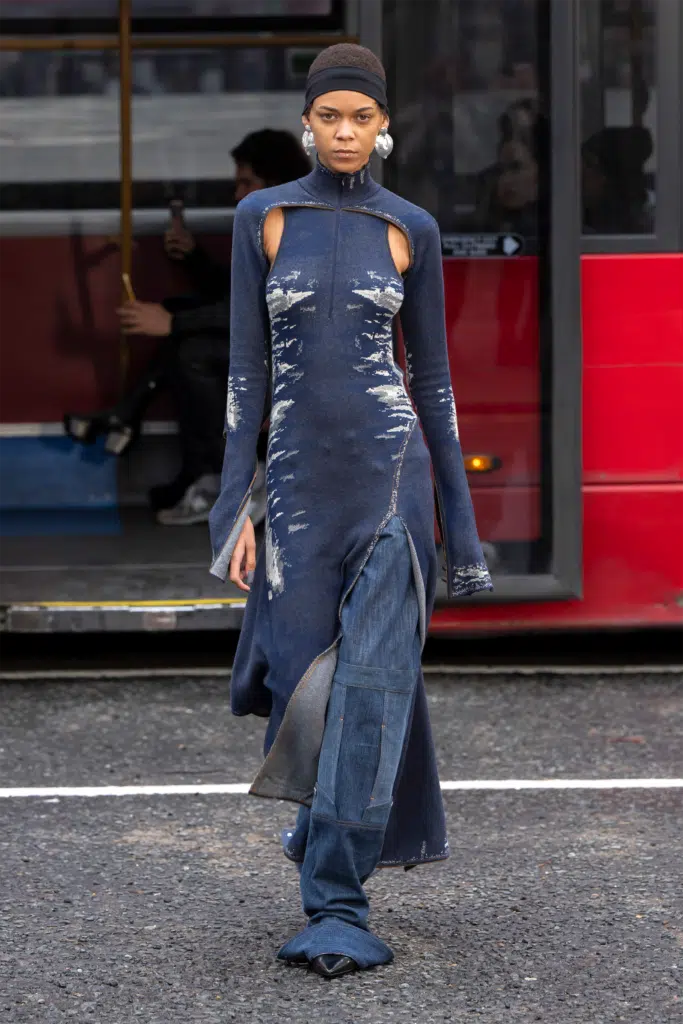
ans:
x=247 y=385
x=424 y=337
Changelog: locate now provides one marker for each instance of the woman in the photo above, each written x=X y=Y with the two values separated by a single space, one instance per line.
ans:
x=342 y=592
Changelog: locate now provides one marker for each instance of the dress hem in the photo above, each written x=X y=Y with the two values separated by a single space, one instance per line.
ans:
x=387 y=864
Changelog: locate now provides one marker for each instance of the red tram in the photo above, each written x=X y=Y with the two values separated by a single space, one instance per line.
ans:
x=546 y=138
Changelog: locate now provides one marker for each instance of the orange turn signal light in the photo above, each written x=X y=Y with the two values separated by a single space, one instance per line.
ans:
x=481 y=463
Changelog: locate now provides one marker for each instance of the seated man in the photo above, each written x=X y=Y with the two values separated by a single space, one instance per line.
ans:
x=191 y=361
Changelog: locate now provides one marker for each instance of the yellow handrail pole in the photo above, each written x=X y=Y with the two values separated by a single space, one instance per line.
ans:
x=125 y=156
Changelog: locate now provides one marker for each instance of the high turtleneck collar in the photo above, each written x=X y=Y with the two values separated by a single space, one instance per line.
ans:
x=338 y=187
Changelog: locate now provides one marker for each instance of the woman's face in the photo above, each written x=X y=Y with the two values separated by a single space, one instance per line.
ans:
x=345 y=126
x=518 y=178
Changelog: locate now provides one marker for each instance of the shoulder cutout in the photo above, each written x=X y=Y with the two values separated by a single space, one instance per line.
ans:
x=399 y=246
x=272 y=232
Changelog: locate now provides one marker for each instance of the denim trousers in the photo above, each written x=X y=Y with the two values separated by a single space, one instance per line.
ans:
x=338 y=842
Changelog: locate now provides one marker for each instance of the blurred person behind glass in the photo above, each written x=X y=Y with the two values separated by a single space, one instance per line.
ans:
x=509 y=192
x=192 y=360
x=614 y=186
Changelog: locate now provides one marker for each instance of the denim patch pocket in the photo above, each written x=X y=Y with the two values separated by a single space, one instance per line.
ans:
x=364 y=734
x=397 y=708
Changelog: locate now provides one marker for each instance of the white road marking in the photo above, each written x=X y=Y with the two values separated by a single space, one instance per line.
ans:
x=551 y=670
x=229 y=788
x=564 y=784
x=218 y=672
x=238 y=788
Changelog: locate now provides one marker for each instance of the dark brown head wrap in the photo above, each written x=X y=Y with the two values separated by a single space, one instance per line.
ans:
x=346 y=66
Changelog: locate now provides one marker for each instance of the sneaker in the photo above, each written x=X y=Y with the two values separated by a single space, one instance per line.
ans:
x=259 y=496
x=195 y=504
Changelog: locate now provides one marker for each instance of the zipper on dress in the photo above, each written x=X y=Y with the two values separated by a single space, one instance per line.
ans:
x=334 y=260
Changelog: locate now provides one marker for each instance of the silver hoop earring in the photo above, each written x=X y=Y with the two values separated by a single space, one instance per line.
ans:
x=307 y=141
x=384 y=143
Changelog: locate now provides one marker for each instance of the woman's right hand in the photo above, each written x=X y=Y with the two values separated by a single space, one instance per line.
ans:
x=243 y=559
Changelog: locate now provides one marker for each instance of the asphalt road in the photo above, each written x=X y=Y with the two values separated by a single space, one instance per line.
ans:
x=562 y=906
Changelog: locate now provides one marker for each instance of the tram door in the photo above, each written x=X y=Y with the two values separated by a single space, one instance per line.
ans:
x=109 y=125
x=486 y=143
x=481 y=100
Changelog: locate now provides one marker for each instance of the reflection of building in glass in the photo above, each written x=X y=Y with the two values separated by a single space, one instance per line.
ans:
x=476 y=58
x=45 y=11
x=74 y=9
x=251 y=69
x=59 y=112
x=497 y=44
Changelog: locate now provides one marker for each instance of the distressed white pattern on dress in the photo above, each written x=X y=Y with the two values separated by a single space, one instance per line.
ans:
x=277 y=414
x=464 y=577
x=280 y=299
x=447 y=397
x=395 y=397
x=283 y=292
x=233 y=412
x=392 y=395
x=388 y=297
x=274 y=563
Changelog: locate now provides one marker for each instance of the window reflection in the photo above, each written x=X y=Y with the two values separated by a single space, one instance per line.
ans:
x=40 y=9
x=469 y=118
x=29 y=74
x=618 y=115
x=231 y=8
x=467 y=127
x=59 y=112
x=50 y=9
x=511 y=192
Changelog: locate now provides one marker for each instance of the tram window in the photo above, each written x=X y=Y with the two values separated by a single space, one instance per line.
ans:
x=466 y=113
x=44 y=14
x=618 y=79
x=234 y=8
x=469 y=101
x=60 y=140
x=77 y=16
x=164 y=8
x=190 y=109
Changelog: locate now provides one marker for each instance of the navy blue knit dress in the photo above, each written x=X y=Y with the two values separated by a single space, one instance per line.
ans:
x=346 y=454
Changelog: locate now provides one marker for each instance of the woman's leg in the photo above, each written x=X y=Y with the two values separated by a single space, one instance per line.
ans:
x=367 y=720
